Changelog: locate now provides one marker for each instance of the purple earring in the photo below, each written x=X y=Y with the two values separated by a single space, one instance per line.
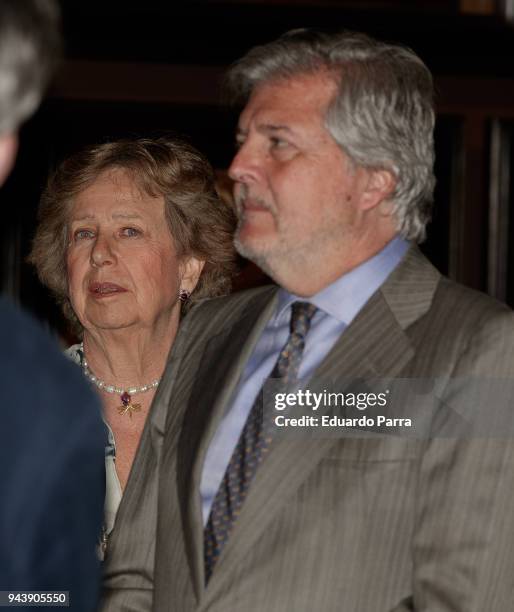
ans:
x=184 y=295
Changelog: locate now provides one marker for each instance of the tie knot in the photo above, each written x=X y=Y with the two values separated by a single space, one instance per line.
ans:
x=301 y=317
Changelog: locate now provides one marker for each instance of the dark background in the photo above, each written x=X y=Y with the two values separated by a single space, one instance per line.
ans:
x=139 y=68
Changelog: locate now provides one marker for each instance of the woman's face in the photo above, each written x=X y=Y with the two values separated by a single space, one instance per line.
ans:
x=123 y=270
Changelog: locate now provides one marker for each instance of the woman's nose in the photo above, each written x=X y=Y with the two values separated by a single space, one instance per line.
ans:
x=102 y=253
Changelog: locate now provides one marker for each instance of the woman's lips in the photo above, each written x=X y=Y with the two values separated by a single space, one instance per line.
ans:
x=105 y=289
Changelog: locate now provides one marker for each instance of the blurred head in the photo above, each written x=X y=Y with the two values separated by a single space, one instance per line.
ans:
x=29 y=48
x=371 y=99
x=124 y=226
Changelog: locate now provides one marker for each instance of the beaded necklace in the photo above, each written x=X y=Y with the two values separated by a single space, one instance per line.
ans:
x=127 y=406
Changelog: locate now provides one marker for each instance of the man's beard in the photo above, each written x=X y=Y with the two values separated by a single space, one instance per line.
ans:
x=258 y=256
x=277 y=260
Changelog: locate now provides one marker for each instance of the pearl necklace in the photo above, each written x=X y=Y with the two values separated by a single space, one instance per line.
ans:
x=127 y=406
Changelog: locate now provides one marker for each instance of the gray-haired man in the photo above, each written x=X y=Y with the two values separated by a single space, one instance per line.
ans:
x=334 y=185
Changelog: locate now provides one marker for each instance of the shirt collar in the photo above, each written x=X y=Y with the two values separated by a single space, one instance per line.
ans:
x=344 y=298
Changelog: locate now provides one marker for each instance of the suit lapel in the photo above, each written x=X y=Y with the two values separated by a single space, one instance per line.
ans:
x=220 y=369
x=374 y=345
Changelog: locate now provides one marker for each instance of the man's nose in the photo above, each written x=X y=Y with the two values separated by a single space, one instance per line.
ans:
x=246 y=167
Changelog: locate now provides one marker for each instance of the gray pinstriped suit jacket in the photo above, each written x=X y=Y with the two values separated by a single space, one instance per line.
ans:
x=352 y=525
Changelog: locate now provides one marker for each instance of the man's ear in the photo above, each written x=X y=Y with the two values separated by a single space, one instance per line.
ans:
x=8 y=150
x=379 y=187
x=190 y=270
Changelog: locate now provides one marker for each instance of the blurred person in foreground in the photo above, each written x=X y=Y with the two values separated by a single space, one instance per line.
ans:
x=130 y=234
x=334 y=183
x=51 y=434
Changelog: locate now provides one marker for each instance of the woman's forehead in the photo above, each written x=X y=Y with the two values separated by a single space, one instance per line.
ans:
x=117 y=193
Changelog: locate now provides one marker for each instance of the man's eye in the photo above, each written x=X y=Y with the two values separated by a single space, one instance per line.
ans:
x=277 y=143
x=83 y=234
x=130 y=232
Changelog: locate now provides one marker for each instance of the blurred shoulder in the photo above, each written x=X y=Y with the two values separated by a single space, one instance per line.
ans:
x=36 y=377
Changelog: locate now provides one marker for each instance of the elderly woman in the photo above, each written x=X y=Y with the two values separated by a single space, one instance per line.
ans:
x=130 y=233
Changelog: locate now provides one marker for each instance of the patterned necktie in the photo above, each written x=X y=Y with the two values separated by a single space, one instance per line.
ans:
x=253 y=444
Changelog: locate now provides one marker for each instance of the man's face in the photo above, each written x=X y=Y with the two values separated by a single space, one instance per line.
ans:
x=297 y=193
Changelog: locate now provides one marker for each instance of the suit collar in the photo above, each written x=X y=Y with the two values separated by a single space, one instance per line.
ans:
x=410 y=289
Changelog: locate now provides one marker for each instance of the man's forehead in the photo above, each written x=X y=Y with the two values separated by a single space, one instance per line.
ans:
x=277 y=101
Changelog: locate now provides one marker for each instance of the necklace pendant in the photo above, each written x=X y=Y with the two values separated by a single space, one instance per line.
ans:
x=127 y=406
x=129 y=409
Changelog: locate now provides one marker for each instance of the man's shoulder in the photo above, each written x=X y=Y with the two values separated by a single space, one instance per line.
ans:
x=449 y=290
x=464 y=332
x=417 y=291
x=214 y=316
x=238 y=298
x=466 y=308
x=475 y=319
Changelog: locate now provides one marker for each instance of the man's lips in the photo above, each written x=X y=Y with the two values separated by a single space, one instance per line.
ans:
x=103 y=289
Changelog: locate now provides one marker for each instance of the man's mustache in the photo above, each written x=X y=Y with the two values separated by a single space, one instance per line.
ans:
x=243 y=198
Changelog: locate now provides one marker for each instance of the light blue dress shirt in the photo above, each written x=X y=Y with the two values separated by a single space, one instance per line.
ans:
x=338 y=304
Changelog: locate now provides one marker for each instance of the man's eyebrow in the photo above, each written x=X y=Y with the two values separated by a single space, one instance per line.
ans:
x=271 y=127
x=265 y=128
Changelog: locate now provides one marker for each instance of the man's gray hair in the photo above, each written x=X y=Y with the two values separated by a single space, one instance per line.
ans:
x=29 y=48
x=382 y=115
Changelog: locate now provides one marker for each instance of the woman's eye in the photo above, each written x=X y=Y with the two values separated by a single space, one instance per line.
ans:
x=83 y=234
x=130 y=232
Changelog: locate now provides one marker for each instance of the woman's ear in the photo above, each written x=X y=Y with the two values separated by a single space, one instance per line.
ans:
x=190 y=269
